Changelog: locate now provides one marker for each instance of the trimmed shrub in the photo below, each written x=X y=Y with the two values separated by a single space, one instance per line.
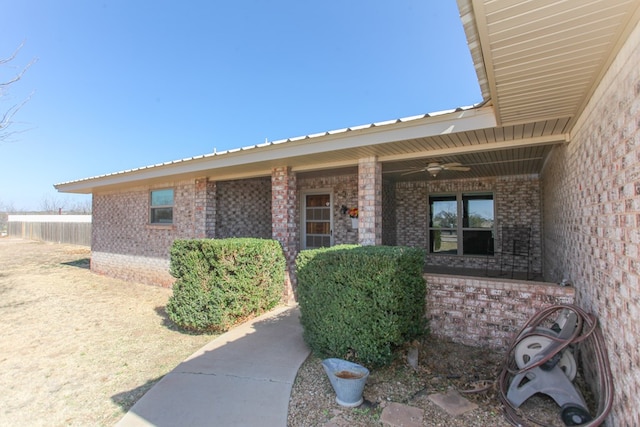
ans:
x=361 y=302
x=223 y=282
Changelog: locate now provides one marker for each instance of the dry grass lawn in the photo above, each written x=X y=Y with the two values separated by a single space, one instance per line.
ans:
x=77 y=348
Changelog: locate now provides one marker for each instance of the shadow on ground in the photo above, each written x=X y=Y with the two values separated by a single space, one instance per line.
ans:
x=168 y=323
x=126 y=399
x=80 y=263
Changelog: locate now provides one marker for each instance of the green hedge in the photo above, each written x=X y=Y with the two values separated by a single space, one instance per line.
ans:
x=360 y=303
x=223 y=282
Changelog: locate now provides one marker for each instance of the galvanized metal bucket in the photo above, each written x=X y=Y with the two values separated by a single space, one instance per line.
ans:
x=347 y=379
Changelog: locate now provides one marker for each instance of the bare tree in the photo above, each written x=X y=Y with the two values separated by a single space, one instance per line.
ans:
x=58 y=205
x=80 y=207
x=52 y=205
x=7 y=207
x=6 y=117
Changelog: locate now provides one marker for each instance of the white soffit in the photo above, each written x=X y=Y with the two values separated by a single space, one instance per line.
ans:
x=543 y=58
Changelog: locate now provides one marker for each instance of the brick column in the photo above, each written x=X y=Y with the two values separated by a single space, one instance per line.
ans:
x=211 y=210
x=200 y=209
x=204 y=217
x=369 y=201
x=284 y=226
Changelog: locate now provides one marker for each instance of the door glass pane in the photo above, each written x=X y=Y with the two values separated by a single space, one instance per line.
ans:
x=317 y=220
x=318 y=228
x=318 y=200
x=318 y=214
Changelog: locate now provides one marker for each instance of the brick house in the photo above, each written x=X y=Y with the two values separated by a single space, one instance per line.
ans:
x=554 y=149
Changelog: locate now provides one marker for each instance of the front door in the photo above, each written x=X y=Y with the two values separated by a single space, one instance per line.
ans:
x=317 y=221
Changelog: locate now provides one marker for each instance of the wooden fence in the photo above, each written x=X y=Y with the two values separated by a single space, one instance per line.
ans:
x=71 y=229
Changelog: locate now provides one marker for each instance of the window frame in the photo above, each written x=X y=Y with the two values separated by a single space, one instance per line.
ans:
x=460 y=228
x=153 y=208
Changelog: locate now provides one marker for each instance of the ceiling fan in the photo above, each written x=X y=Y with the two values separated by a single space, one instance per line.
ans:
x=434 y=168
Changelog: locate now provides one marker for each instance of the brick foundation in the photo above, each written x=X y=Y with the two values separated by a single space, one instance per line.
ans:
x=132 y=268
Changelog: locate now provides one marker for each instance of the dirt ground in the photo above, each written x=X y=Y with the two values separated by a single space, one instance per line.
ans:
x=76 y=348
x=80 y=349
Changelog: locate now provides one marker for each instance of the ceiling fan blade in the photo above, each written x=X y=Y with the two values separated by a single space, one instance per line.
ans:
x=458 y=168
x=414 y=171
x=506 y=161
x=450 y=165
x=400 y=170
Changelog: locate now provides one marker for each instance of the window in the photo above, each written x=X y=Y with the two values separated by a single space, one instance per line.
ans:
x=161 y=207
x=461 y=224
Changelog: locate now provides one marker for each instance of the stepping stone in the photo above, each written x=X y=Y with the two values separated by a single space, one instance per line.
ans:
x=399 y=415
x=452 y=402
x=337 y=422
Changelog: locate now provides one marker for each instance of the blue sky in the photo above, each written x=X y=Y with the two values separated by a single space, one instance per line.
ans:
x=120 y=84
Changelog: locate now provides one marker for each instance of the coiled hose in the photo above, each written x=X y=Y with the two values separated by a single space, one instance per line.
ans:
x=588 y=332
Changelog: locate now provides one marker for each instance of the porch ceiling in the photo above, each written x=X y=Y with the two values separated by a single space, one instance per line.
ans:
x=495 y=151
x=518 y=161
x=539 y=60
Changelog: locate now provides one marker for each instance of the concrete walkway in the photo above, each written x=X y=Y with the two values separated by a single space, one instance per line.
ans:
x=242 y=378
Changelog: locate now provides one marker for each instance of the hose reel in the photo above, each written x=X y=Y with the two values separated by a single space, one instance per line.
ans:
x=541 y=360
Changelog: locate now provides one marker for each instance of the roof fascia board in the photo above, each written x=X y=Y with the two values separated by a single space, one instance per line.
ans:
x=457 y=121
x=470 y=27
x=460 y=121
x=480 y=18
x=323 y=166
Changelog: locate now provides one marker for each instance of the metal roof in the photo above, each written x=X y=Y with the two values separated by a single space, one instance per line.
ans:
x=393 y=139
x=538 y=62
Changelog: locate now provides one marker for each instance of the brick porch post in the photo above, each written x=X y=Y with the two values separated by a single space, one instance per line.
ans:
x=200 y=209
x=284 y=227
x=204 y=209
x=369 y=201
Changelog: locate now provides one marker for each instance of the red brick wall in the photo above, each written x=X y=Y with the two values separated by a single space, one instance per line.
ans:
x=370 y=201
x=285 y=219
x=411 y=211
x=389 y=218
x=243 y=208
x=484 y=312
x=124 y=245
x=591 y=189
x=345 y=192
x=517 y=202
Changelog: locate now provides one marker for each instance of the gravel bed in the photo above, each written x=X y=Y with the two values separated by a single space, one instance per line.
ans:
x=443 y=366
